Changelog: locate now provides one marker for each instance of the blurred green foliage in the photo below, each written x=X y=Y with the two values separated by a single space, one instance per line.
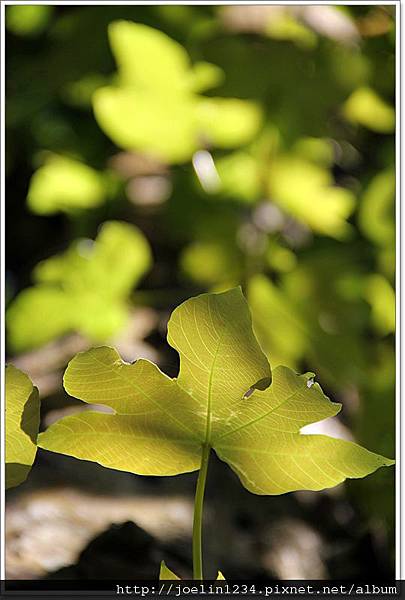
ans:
x=63 y=184
x=28 y=20
x=252 y=145
x=155 y=106
x=85 y=289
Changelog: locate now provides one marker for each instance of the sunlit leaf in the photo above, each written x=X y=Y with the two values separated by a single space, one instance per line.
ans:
x=366 y=108
x=22 y=423
x=147 y=58
x=228 y=122
x=205 y=76
x=307 y=192
x=65 y=185
x=84 y=289
x=38 y=315
x=155 y=107
x=143 y=120
x=161 y=424
x=239 y=173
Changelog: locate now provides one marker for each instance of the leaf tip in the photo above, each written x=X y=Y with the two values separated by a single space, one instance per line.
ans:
x=166 y=573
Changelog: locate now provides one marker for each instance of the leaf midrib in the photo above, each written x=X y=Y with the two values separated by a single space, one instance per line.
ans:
x=209 y=398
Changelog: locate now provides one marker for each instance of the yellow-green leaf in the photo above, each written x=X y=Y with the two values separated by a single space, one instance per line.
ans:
x=228 y=122
x=84 y=289
x=239 y=173
x=22 y=423
x=306 y=191
x=160 y=425
x=65 y=185
x=220 y=359
x=146 y=57
x=366 y=108
x=146 y=435
x=165 y=573
x=140 y=120
x=154 y=106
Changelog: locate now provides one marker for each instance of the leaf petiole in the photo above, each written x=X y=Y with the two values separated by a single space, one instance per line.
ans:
x=198 y=513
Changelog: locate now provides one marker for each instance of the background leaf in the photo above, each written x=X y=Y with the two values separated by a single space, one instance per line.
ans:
x=155 y=107
x=366 y=108
x=84 y=289
x=65 y=185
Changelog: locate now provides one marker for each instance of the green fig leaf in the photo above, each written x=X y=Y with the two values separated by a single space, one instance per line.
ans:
x=85 y=289
x=219 y=399
x=22 y=423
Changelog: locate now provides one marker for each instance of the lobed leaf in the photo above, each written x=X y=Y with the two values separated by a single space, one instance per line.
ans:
x=156 y=107
x=160 y=424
